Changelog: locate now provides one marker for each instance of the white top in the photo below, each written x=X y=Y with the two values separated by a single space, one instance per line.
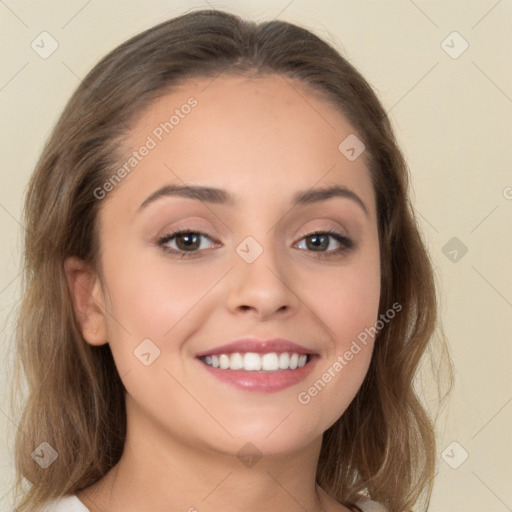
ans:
x=71 y=503
x=367 y=505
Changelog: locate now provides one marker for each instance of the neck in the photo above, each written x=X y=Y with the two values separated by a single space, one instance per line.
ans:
x=162 y=473
x=189 y=480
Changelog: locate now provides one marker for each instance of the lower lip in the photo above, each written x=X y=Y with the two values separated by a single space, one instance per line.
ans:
x=266 y=382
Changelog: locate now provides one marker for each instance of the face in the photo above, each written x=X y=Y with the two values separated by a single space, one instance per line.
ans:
x=254 y=262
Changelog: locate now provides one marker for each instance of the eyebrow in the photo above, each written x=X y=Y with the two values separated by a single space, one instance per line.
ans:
x=220 y=196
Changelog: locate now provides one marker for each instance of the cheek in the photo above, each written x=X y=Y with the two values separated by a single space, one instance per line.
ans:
x=348 y=307
x=346 y=298
x=151 y=295
x=156 y=300
x=347 y=302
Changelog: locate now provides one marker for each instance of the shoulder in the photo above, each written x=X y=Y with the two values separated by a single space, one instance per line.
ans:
x=71 y=503
x=68 y=503
x=367 y=505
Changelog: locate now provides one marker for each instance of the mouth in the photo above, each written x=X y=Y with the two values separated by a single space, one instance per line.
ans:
x=258 y=365
x=254 y=362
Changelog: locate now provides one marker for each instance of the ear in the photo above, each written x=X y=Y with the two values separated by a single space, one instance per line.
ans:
x=88 y=300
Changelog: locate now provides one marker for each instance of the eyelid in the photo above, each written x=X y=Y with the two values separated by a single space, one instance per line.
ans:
x=346 y=243
x=172 y=234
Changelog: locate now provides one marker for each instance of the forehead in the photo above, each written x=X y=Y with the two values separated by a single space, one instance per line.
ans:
x=252 y=135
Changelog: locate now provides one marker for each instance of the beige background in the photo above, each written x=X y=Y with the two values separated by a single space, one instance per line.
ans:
x=452 y=117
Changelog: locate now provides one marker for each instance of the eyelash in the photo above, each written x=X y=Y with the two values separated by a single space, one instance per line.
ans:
x=346 y=243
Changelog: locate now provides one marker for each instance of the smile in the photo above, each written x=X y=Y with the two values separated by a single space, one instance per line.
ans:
x=265 y=373
x=251 y=361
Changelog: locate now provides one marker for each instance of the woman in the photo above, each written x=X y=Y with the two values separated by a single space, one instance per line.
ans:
x=240 y=296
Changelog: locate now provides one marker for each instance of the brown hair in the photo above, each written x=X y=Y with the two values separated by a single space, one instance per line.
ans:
x=384 y=444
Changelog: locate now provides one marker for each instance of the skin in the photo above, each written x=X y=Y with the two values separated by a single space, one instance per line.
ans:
x=261 y=139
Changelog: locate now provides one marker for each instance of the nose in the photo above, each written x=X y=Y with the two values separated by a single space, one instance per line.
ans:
x=264 y=287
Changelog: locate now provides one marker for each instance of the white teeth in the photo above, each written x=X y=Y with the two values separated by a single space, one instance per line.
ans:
x=284 y=361
x=250 y=361
x=236 y=362
x=269 y=362
x=223 y=361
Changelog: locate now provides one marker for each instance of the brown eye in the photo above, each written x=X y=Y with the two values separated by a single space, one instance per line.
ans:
x=187 y=242
x=320 y=242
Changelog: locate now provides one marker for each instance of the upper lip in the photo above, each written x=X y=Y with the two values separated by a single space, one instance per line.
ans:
x=258 y=346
